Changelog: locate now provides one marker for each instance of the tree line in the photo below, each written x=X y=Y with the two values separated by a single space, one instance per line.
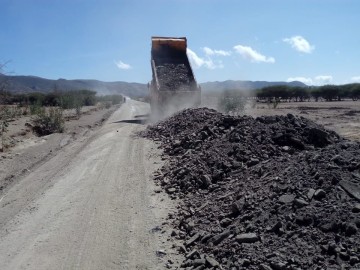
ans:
x=62 y=99
x=325 y=92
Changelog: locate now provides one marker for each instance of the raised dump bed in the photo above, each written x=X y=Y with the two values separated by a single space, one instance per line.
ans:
x=173 y=86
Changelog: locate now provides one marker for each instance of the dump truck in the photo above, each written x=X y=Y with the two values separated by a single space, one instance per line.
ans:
x=173 y=86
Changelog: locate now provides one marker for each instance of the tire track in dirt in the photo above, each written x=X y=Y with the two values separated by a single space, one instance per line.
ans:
x=91 y=207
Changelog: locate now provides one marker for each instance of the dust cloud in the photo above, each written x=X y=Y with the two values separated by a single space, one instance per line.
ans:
x=172 y=102
x=233 y=102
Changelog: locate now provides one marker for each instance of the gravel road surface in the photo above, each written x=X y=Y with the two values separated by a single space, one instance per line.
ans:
x=91 y=206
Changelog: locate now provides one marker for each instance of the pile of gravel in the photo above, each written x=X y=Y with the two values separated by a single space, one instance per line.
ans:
x=174 y=77
x=276 y=192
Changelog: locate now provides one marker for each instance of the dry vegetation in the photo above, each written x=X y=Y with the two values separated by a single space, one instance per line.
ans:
x=46 y=113
x=335 y=107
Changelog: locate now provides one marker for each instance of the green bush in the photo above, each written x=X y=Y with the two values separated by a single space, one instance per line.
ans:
x=114 y=99
x=232 y=102
x=48 y=122
x=5 y=115
x=273 y=104
x=76 y=98
x=78 y=110
x=35 y=108
x=64 y=99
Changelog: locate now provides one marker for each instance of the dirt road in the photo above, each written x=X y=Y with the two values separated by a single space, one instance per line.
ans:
x=91 y=206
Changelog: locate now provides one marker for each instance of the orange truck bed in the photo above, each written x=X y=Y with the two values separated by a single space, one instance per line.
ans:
x=173 y=86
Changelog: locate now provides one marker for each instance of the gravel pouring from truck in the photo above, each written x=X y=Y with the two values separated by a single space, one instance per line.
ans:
x=173 y=86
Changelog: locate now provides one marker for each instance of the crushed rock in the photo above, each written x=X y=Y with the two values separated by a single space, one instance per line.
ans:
x=275 y=192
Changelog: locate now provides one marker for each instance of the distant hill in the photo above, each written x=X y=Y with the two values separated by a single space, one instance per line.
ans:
x=244 y=85
x=24 y=84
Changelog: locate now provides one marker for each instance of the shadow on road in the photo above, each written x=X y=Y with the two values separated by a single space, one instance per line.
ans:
x=133 y=121
x=142 y=115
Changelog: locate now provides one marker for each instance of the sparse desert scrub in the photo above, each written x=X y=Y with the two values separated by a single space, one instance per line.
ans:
x=5 y=115
x=317 y=93
x=113 y=99
x=232 y=102
x=48 y=121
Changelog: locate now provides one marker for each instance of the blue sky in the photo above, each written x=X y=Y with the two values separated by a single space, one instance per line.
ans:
x=315 y=41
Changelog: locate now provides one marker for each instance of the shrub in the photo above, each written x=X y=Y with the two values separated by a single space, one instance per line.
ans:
x=35 y=108
x=78 y=110
x=114 y=99
x=101 y=106
x=48 y=122
x=232 y=102
x=273 y=103
x=74 y=99
x=16 y=112
x=107 y=104
x=5 y=115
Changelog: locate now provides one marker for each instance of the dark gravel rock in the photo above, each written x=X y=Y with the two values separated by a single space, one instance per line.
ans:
x=319 y=194
x=356 y=208
x=247 y=238
x=286 y=198
x=264 y=267
x=212 y=262
x=174 y=77
x=284 y=179
x=300 y=203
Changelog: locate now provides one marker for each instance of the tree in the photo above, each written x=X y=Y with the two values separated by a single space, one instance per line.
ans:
x=315 y=93
x=330 y=92
x=283 y=92
x=276 y=92
x=355 y=91
x=52 y=99
x=299 y=93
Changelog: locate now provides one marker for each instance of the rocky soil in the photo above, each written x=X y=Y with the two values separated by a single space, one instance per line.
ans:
x=275 y=192
x=89 y=206
x=27 y=151
x=174 y=77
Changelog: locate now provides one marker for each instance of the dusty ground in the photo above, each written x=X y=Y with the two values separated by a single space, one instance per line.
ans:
x=341 y=116
x=83 y=199
x=90 y=206
x=27 y=150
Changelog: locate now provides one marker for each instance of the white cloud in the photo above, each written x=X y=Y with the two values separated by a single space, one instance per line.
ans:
x=198 y=62
x=300 y=44
x=121 y=65
x=323 y=79
x=317 y=80
x=305 y=80
x=355 y=79
x=195 y=60
x=252 y=55
x=209 y=51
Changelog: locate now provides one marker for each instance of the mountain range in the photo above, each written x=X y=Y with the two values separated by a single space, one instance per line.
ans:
x=244 y=85
x=25 y=84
